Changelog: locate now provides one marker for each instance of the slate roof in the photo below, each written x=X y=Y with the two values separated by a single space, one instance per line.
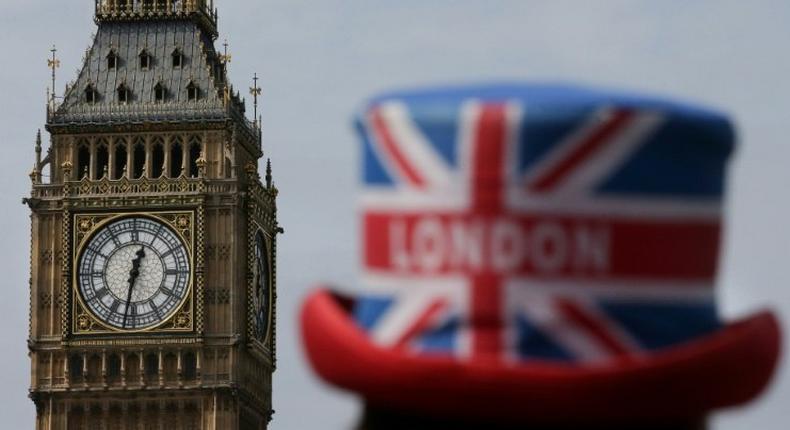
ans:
x=159 y=38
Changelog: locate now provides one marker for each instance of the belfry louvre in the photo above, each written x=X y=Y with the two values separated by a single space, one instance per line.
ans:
x=153 y=235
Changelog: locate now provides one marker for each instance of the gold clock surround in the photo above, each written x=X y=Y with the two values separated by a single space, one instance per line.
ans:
x=262 y=218
x=181 y=320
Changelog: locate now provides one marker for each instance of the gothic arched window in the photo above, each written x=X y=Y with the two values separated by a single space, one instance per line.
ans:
x=178 y=58
x=158 y=159
x=171 y=367
x=132 y=369
x=193 y=92
x=123 y=94
x=113 y=369
x=138 y=155
x=75 y=368
x=159 y=92
x=112 y=60
x=94 y=369
x=190 y=366
x=176 y=158
x=102 y=160
x=151 y=367
x=195 y=148
x=145 y=60
x=91 y=96
x=120 y=159
x=83 y=159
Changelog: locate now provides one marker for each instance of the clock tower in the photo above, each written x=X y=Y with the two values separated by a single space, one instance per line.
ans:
x=153 y=236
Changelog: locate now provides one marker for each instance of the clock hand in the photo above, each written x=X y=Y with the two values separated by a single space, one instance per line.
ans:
x=133 y=274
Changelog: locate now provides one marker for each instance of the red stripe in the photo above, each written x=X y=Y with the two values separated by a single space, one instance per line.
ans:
x=489 y=160
x=592 y=326
x=388 y=143
x=423 y=323
x=633 y=249
x=486 y=318
x=488 y=199
x=593 y=143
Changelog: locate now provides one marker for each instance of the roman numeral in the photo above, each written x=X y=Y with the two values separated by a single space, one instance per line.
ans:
x=156 y=310
x=168 y=293
x=156 y=235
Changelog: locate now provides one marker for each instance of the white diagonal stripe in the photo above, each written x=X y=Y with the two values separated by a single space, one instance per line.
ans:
x=415 y=147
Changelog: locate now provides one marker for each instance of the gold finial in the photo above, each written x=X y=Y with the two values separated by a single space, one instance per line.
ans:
x=255 y=91
x=225 y=58
x=201 y=165
x=35 y=176
x=53 y=64
x=67 y=166
x=252 y=170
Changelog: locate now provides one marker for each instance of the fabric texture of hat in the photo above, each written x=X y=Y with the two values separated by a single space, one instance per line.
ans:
x=540 y=253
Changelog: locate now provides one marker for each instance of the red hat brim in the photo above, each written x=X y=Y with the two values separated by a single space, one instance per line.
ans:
x=727 y=368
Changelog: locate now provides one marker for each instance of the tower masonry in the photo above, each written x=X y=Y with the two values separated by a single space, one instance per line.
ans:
x=153 y=235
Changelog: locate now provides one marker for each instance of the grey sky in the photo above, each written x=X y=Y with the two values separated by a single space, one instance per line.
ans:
x=319 y=59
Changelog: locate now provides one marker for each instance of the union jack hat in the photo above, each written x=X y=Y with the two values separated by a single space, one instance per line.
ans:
x=540 y=253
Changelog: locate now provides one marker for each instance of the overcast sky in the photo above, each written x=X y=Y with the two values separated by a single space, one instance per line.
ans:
x=319 y=59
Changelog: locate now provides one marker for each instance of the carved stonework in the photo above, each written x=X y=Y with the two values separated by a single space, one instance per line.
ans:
x=187 y=167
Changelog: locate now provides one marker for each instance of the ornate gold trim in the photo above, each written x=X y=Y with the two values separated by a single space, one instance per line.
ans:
x=181 y=320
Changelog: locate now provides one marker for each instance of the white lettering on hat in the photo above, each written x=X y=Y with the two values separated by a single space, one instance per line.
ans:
x=433 y=244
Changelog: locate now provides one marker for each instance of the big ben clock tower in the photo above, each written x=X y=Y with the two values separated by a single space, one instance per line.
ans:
x=153 y=236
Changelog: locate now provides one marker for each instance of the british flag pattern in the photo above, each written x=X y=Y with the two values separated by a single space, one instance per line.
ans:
x=538 y=222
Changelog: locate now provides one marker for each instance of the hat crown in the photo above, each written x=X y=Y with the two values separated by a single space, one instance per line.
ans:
x=578 y=219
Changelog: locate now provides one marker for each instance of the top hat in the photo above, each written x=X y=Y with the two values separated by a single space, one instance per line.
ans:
x=540 y=253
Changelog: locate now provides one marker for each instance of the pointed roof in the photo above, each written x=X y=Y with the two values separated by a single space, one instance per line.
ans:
x=126 y=35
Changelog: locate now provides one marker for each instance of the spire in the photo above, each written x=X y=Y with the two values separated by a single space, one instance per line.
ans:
x=35 y=175
x=38 y=148
x=255 y=90
x=224 y=59
x=53 y=63
x=268 y=173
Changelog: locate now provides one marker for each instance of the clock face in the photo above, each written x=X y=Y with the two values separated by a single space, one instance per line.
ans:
x=262 y=296
x=134 y=273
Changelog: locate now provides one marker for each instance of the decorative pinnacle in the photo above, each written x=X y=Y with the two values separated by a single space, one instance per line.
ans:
x=67 y=166
x=53 y=64
x=268 y=173
x=35 y=176
x=38 y=147
x=225 y=58
x=201 y=164
x=251 y=168
x=255 y=91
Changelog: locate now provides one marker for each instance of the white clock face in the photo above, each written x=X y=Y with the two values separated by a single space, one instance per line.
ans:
x=134 y=273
